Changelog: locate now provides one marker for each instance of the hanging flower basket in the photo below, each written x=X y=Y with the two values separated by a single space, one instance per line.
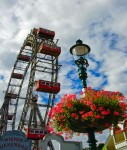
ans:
x=97 y=109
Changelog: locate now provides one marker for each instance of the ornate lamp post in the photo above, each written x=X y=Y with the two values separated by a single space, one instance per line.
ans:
x=79 y=51
x=94 y=112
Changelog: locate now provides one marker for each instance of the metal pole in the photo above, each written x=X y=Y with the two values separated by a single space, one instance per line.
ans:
x=91 y=139
x=82 y=65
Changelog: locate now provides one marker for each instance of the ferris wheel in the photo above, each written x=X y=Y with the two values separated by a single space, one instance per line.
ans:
x=32 y=87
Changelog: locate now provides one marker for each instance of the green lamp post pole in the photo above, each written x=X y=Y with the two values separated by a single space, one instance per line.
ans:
x=82 y=65
x=91 y=139
x=79 y=52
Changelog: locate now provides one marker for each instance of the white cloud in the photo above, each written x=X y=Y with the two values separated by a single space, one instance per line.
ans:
x=88 y=20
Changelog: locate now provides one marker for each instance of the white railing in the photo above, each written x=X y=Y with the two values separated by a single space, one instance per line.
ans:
x=121 y=145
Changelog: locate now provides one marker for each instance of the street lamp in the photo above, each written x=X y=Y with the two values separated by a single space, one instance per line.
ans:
x=79 y=51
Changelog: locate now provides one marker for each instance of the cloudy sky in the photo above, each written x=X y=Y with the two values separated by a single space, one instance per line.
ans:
x=101 y=24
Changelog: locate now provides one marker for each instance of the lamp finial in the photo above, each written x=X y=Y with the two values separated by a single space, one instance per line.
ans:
x=79 y=42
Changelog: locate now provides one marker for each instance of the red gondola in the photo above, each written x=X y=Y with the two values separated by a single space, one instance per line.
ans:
x=34 y=133
x=49 y=49
x=17 y=75
x=11 y=95
x=47 y=86
x=23 y=57
x=44 y=33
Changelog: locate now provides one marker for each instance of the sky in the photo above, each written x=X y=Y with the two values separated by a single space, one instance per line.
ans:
x=101 y=24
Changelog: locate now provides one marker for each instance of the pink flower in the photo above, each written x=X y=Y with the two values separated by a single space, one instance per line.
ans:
x=108 y=111
x=81 y=112
x=123 y=106
x=69 y=105
x=59 y=133
x=104 y=112
x=125 y=115
x=71 y=96
x=101 y=108
x=84 y=116
x=97 y=116
x=73 y=115
x=66 y=138
x=116 y=113
x=50 y=129
x=81 y=93
x=107 y=125
x=93 y=107
x=50 y=113
x=90 y=113
x=88 y=103
x=81 y=100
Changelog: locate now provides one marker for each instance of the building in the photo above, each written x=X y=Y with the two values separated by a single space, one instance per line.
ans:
x=118 y=138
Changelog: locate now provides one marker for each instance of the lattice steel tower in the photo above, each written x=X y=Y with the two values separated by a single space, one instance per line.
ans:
x=34 y=76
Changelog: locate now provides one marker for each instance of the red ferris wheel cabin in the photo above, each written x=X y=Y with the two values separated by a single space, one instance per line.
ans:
x=44 y=33
x=47 y=86
x=23 y=57
x=35 y=133
x=52 y=50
